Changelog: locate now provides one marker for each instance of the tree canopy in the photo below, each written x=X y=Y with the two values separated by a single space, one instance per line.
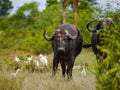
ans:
x=5 y=6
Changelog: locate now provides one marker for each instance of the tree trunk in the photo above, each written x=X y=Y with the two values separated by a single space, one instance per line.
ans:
x=64 y=5
x=75 y=5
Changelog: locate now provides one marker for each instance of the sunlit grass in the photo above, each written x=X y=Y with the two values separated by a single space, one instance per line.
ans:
x=26 y=80
x=44 y=81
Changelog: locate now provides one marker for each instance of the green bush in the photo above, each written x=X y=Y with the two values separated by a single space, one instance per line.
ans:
x=27 y=40
x=108 y=71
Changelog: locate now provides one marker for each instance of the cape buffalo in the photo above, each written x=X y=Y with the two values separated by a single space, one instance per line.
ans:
x=104 y=23
x=66 y=44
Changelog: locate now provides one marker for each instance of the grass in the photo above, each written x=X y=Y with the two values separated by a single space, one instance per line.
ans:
x=44 y=80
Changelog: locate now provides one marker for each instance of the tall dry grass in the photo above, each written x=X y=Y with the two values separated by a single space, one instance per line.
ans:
x=44 y=81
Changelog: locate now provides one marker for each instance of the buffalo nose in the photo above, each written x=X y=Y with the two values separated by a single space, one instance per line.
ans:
x=61 y=49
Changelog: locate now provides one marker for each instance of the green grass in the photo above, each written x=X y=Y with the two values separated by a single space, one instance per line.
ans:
x=44 y=80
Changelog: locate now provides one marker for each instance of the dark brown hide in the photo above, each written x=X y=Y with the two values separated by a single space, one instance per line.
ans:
x=66 y=44
x=104 y=23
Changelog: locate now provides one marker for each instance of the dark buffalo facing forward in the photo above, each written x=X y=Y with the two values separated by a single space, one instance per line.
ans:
x=66 y=44
x=104 y=23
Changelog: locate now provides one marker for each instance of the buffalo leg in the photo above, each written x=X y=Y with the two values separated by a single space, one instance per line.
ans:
x=69 y=70
x=55 y=65
x=63 y=69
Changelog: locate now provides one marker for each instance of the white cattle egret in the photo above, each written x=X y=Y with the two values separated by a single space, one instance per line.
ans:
x=17 y=59
x=14 y=74
x=37 y=63
x=43 y=59
x=29 y=59
x=83 y=72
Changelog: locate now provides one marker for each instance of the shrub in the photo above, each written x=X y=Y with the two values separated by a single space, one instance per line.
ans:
x=108 y=72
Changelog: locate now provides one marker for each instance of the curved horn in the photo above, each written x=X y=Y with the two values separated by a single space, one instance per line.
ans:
x=89 y=28
x=70 y=36
x=46 y=37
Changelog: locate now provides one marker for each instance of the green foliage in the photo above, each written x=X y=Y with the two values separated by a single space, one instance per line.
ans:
x=51 y=15
x=25 y=28
x=51 y=2
x=5 y=6
x=108 y=71
x=83 y=18
x=7 y=42
x=84 y=5
x=30 y=18
x=27 y=17
x=27 y=40
x=4 y=24
x=26 y=32
x=26 y=11
x=115 y=16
